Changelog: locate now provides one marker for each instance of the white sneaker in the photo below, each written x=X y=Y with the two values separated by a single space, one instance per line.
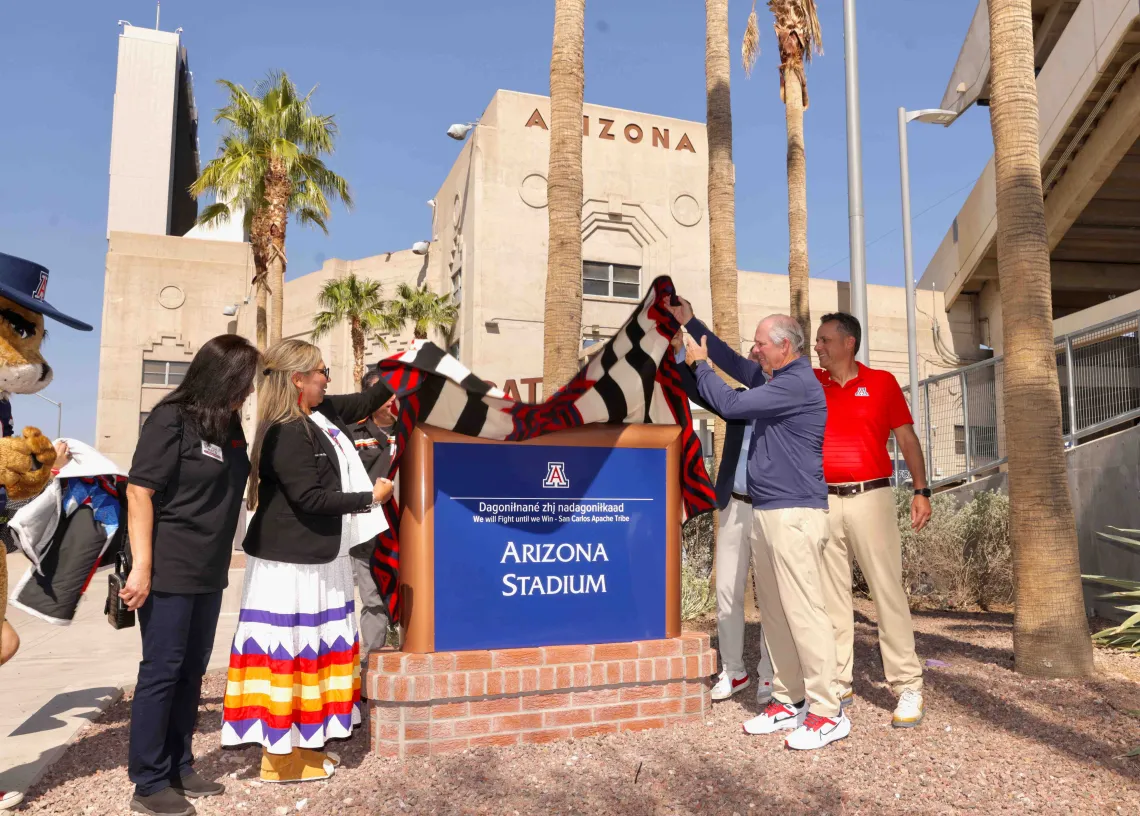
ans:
x=9 y=799
x=730 y=683
x=817 y=732
x=910 y=710
x=776 y=717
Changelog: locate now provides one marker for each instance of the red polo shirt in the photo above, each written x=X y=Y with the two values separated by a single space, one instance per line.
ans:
x=860 y=418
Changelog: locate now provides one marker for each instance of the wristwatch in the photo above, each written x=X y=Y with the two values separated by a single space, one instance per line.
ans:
x=922 y=491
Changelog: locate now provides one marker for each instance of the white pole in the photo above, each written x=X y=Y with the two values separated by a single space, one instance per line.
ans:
x=908 y=263
x=855 y=181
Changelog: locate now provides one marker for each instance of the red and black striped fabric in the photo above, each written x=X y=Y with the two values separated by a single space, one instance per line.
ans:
x=634 y=379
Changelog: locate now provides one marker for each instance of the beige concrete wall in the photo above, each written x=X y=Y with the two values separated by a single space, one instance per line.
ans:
x=142 y=132
x=163 y=297
x=301 y=294
x=1088 y=43
x=644 y=205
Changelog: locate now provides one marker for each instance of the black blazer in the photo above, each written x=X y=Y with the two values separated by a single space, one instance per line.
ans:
x=733 y=439
x=300 y=498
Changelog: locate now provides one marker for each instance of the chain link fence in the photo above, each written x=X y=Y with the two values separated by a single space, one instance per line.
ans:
x=961 y=416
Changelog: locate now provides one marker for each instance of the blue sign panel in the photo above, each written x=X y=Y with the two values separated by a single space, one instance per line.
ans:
x=539 y=545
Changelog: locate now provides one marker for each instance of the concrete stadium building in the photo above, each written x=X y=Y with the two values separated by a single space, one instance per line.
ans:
x=170 y=287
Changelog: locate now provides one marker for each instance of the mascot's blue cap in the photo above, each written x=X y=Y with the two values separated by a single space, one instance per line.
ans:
x=25 y=283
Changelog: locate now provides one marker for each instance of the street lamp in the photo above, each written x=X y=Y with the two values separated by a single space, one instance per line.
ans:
x=59 y=414
x=931 y=116
x=855 y=180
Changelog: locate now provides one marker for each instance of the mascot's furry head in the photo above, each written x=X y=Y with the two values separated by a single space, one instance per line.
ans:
x=25 y=461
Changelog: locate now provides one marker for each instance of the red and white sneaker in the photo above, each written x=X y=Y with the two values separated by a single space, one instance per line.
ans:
x=9 y=799
x=817 y=732
x=730 y=683
x=776 y=717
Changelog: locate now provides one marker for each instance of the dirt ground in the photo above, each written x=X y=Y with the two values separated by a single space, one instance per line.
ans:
x=993 y=742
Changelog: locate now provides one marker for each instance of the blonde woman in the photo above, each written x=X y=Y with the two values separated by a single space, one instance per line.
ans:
x=294 y=678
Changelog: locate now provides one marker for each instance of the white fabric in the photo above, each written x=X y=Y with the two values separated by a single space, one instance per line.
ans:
x=33 y=526
x=355 y=528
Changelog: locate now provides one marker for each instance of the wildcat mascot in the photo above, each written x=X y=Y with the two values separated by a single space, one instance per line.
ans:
x=25 y=460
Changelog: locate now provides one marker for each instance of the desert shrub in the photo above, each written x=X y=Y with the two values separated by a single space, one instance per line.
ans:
x=962 y=557
x=697 y=596
x=698 y=540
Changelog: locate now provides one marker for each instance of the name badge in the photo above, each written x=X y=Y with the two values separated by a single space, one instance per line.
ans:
x=213 y=451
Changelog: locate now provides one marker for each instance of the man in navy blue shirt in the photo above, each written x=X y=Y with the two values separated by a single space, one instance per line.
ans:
x=786 y=406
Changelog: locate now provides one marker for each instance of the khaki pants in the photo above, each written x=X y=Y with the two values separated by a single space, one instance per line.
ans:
x=864 y=527
x=733 y=552
x=787 y=547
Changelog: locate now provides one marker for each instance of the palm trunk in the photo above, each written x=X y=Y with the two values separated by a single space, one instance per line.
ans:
x=723 y=277
x=260 y=244
x=1050 y=631
x=563 y=313
x=277 y=197
x=797 y=201
x=357 y=335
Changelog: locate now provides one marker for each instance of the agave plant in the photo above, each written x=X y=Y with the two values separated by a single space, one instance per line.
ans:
x=1127 y=634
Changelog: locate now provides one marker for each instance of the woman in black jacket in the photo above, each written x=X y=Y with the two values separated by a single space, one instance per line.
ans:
x=314 y=501
x=184 y=497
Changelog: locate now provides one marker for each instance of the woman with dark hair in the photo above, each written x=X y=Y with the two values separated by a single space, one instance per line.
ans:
x=184 y=496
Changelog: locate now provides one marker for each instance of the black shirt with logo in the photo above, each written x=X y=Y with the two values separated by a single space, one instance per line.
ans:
x=198 y=490
x=373 y=447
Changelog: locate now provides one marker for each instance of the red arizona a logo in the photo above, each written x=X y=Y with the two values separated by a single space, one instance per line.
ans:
x=555 y=475
x=41 y=287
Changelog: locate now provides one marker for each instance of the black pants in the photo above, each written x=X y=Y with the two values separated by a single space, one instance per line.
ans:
x=177 y=637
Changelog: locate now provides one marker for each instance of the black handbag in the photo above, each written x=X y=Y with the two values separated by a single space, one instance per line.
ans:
x=118 y=615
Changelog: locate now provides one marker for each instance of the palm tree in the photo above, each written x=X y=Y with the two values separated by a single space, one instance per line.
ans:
x=269 y=163
x=563 y=314
x=359 y=301
x=798 y=35
x=424 y=309
x=1050 y=631
x=723 y=276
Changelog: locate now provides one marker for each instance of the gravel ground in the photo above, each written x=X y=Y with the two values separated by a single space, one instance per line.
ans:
x=993 y=742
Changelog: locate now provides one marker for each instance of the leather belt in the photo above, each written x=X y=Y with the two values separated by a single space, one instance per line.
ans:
x=741 y=497
x=855 y=488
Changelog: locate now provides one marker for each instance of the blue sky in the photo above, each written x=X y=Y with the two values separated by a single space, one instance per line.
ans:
x=397 y=74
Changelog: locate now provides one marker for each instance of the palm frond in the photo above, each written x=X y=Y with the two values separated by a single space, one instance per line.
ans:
x=750 y=48
x=215 y=214
x=323 y=324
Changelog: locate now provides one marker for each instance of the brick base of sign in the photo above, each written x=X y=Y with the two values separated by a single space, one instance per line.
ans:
x=428 y=704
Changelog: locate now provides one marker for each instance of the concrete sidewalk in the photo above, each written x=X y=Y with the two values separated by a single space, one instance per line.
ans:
x=65 y=676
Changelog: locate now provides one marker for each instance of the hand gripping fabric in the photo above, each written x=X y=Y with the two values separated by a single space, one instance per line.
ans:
x=632 y=380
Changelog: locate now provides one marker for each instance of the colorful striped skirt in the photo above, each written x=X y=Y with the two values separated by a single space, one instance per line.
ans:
x=294 y=677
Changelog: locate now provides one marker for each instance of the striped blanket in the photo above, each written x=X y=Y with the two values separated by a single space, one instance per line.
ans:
x=631 y=380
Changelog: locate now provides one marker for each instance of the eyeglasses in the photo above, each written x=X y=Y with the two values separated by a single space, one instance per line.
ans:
x=324 y=371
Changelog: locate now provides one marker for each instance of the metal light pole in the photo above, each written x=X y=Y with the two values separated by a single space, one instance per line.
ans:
x=937 y=117
x=59 y=414
x=855 y=180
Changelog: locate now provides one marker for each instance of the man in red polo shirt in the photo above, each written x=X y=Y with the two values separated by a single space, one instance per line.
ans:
x=864 y=406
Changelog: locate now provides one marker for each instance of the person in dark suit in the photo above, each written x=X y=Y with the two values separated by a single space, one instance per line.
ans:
x=314 y=502
x=733 y=550
x=371 y=436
